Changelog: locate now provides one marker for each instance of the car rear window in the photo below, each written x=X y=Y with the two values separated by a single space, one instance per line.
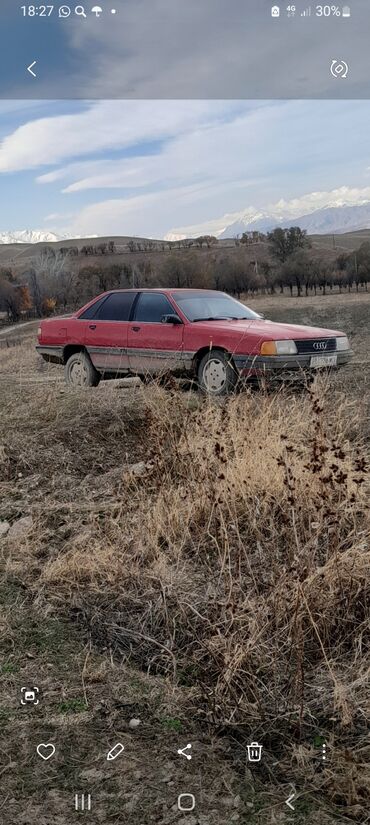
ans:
x=151 y=306
x=91 y=311
x=116 y=307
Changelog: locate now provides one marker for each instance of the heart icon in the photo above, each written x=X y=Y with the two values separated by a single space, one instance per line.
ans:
x=46 y=751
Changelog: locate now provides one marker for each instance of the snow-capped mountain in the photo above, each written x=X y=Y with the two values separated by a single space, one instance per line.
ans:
x=36 y=236
x=336 y=216
x=30 y=236
x=331 y=219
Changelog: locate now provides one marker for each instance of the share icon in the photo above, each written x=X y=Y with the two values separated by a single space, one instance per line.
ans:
x=183 y=752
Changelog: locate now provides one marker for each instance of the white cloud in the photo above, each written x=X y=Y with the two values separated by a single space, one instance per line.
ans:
x=124 y=216
x=344 y=196
x=103 y=126
x=225 y=150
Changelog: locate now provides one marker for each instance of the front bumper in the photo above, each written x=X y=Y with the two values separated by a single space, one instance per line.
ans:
x=250 y=366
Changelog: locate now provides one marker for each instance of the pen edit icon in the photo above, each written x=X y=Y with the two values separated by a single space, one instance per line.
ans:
x=115 y=752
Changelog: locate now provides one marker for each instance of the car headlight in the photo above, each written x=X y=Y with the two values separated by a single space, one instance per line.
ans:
x=342 y=342
x=278 y=348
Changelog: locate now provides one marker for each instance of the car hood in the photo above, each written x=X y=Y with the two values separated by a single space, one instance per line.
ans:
x=269 y=330
x=281 y=331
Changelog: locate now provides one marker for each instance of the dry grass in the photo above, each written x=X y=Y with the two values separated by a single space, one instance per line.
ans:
x=244 y=545
x=236 y=566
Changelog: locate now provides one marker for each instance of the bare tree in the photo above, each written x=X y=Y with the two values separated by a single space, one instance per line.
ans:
x=10 y=299
x=51 y=276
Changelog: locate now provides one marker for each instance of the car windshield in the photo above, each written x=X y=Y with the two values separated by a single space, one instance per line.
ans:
x=213 y=306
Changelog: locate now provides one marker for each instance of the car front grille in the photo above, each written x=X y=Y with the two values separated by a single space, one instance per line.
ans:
x=316 y=346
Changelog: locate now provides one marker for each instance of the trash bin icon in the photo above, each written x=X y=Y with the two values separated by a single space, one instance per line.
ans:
x=254 y=752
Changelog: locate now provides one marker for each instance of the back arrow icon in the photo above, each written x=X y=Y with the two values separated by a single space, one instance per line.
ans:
x=29 y=68
x=292 y=796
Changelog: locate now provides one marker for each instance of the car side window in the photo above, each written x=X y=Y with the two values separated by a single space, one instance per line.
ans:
x=116 y=307
x=91 y=311
x=151 y=306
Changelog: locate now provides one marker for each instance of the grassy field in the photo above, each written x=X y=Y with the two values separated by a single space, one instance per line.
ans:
x=201 y=567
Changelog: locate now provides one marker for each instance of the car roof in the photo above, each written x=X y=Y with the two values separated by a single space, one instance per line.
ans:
x=164 y=289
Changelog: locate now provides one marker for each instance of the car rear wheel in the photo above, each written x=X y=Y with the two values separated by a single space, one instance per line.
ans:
x=216 y=373
x=80 y=372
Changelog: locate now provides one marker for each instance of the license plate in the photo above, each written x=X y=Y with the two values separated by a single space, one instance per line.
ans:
x=323 y=361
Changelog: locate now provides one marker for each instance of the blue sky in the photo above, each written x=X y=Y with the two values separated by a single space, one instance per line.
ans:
x=159 y=167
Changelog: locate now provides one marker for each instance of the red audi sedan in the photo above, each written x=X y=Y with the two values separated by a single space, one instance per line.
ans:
x=198 y=333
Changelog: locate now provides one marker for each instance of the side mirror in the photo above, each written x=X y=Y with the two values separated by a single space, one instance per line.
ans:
x=171 y=319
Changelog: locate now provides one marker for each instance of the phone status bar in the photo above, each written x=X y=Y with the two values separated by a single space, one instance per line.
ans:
x=326 y=11
x=65 y=12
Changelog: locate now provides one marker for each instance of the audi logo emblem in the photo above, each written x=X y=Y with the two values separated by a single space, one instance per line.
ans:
x=320 y=345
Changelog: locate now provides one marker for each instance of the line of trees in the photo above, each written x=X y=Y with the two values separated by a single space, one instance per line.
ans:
x=57 y=281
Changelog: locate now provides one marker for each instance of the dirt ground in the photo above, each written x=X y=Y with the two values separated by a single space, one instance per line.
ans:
x=90 y=693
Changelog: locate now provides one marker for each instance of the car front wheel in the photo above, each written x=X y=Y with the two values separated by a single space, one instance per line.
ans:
x=216 y=373
x=80 y=372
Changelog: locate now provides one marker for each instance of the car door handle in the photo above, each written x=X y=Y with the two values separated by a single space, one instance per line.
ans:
x=92 y=326
x=135 y=329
